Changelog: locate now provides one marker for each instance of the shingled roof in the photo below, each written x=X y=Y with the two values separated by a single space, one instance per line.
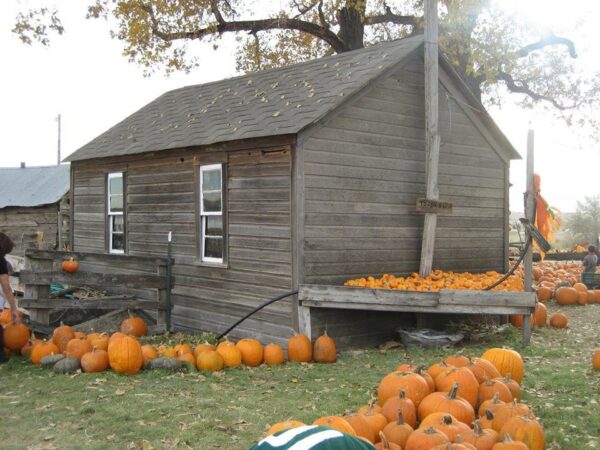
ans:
x=273 y=102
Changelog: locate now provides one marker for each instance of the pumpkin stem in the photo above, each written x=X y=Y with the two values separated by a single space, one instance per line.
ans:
x=447 y=420
x=489 y=415
x=400 y=420
x=453 y=392
x=386 y=444
x=402 y=394
x=477 y=428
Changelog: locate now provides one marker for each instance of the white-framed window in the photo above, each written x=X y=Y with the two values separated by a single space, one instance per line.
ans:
x=115 y=213
x=212 y=235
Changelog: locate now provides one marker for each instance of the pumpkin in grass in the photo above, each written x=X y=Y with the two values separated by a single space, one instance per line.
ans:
x=361 y=426
x=134 y=326
x=376 y=421
x=187 y=358
x=95 y=361
x=482 y=439
x=43 y=349
x=385 y=444
x=398 y=431
x=273 y=355
x=558 y=320
x=508 y=444
x=447 y=402
x=210 y=361
x=566 y=296
x=482 y=369
x=488 y=389
x=183 y=347
x=582 y=298
x=370 y=406
x=492 y=405
x=596 y=359
x=299 y=348
x=425 y=438
x=400 y=404
x=580 y=287
x=446 y=423
x=16 y=336
x=115 y=337
x=76 y=348
x=232 y=356
x=79 y=335
x=508 y=411
x=324 y=350
x=61 y=336
x=70 y=265
x=435 y=369
x=101 y=342
x=285 y=425
x=512 y=385
x=148 y=353
x=526 y=430
x=414 y=385
x=468 y=387
x=252 y=352
x=339 y=423
x=458 y=444
x=204 y=347
x=507 y=361
x=543 y=293
x=125 y=355
x=457 y=360
x=540 y=315
x=168 y=352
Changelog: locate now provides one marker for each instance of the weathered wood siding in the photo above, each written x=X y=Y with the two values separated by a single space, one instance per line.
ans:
x=23 y=224
x=162 y=196
x=365 y=167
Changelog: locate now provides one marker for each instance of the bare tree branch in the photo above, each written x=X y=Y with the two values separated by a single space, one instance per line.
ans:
x=390 y=17
x=546 y=41
x=322 y=19
x=251 y=26
x=522 y=87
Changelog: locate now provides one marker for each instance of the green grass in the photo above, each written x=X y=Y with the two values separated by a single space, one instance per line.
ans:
x=41 y=410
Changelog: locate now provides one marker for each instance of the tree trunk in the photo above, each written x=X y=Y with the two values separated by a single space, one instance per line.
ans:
x=474 y=85
x=352 y=27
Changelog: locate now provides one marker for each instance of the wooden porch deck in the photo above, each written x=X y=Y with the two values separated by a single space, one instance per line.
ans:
x=442 y=302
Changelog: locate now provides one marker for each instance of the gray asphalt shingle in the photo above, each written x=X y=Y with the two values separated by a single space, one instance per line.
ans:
x=269 y=103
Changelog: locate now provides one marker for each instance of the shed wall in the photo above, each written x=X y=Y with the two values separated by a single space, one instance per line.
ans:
x=23 y=224
x=364 y=169
x=161 y=197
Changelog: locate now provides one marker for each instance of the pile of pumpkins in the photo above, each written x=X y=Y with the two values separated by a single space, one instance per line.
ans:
x=69 y=350
x=439 y=279
x=459 y=403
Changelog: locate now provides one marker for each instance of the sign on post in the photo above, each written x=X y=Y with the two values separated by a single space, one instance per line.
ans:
x=428 y=205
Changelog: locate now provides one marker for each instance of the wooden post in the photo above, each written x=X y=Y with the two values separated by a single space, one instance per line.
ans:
x=529 y=210
x=530 y=215
x=40 y=316
x=432 y=138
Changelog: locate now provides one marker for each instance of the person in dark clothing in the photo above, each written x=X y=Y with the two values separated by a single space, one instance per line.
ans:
x=7 y=299
x=590 y=260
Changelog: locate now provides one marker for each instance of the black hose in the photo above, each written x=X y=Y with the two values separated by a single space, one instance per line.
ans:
x=513 y=268
x=254 y=311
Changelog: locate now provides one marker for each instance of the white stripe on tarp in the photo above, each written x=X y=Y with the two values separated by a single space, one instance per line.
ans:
x=314 y=439
x=285 y=437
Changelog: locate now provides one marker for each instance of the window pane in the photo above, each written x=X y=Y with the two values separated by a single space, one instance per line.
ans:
x=116 y=185
x=213 y=248
x=116 y=203
x=214 y=225
x=117 y=226
x=118 y=241
x=211 y=180
x=211 y=202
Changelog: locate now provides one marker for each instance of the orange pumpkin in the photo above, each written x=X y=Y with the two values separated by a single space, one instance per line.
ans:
x=187 y=358
x=481 y=439
x=95 y=361
x=446 y=423
x=468 y=387
x=203 y=348
x=183 y=347
x=361 y=426
x=449 y=403
x=544 y=293
x=526 y=430
x=285 y=425
x=299 y=348
x=76 y=348
x=42 y=349
x=273 y=355
x=398 y=431
x=232 y=356
x=324 y=350
x=414 y=385
x=134 y=326
x=376 y=421
x=596 y=359
x=16 y=336
x=425 y=438
x=210 y=361
x=251 y=351
x=491 y=405
x=70 y=265
x=507 y=361
x=61 y=336
x=509 y=444
x=507 y=411
x=125 y=355
x=488 y=389
x=558 y=320
x=339 y=423
x=566 y=296
x=400 y=404
x=148 y=353
x=483 y=369
x=540 y=315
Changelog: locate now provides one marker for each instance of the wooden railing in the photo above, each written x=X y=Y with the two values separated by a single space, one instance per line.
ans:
x=131 y=282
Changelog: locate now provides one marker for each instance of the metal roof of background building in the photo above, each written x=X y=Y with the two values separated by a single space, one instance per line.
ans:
x=33 y=186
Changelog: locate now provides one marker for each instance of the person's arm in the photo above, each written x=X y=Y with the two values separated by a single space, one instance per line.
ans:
x=8 y=294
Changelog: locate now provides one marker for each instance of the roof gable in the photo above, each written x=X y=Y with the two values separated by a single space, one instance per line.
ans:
x=274 y=102
x=33 y=186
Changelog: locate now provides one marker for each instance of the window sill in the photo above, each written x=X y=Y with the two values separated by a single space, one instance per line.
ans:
x=216 y=265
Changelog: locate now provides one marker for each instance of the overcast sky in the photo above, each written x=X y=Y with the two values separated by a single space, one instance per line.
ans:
x=83 y=76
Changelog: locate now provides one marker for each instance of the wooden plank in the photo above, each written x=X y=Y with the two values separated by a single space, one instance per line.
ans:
x=349 y=295
x=115 y=302
x=94 y=279
x=304 y=324
x=492 y=298
x=95 y=257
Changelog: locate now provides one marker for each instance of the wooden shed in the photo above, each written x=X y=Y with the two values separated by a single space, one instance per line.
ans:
x=34 y=207
x=304 y=174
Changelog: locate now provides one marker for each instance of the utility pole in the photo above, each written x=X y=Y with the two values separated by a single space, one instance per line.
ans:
x=58 y=149
x=432 y=137
x=529 y=211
